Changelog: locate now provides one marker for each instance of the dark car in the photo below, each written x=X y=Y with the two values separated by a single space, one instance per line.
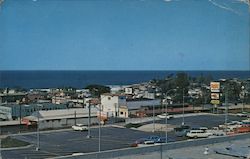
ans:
x=151 y=139
x=182 y=130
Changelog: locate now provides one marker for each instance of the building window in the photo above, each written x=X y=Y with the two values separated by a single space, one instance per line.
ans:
x=121 y=113
x=109 y=98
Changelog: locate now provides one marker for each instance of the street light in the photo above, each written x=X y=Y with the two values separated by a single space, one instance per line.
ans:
x=226 y=108
x=243 y=98
x=38 y=133
x=20 y=119
x=153 y=118
x=166 y=111
x=99 y=145
x=89 y=120
x=183 y=122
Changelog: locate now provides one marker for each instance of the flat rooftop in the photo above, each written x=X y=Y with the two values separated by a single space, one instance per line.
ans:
x=140 y=99
x=12 y=94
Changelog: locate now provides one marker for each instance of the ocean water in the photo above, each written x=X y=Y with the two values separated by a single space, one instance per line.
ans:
x=80 y=79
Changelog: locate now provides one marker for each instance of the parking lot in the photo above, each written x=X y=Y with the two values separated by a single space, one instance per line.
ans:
x=68 y=141
x=203 y=120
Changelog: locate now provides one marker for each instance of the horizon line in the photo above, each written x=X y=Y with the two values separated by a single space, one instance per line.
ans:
x=117 y=70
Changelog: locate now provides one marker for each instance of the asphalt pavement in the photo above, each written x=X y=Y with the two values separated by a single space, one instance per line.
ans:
x=69 y=142
x=202 y=120
x=66 y=142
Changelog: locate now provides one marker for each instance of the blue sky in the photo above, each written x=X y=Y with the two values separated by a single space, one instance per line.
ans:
x=124 y=35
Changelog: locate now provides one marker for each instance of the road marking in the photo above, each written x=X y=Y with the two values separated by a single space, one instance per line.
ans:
x=55 y=154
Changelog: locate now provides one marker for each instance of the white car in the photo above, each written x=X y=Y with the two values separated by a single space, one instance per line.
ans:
x=79 y=127
x=243 y=114
x=231 y=125
x=198 y=134
x=203 y=128
x=163 y=116
x=216 y=131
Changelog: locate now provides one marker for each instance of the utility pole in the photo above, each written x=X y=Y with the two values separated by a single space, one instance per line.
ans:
x=153 y=118
x=99 y=145
x=166 y=111
x=20 y=117
x=116 y=112
x=89 y=121
x=166 y=122
x=75 y=117
x=226 y=106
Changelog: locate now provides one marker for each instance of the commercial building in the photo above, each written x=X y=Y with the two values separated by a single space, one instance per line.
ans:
x=15 y=111
x=61 y=118
x=11 y=97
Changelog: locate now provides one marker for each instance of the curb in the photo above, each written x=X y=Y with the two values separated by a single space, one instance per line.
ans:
x=16 y=148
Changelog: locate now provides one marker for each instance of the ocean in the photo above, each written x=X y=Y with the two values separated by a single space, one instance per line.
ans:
x=80 y=79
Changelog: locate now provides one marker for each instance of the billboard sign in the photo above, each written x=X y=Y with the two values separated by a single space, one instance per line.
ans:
x=215 y=86
x=215 y=102
x=215 y=96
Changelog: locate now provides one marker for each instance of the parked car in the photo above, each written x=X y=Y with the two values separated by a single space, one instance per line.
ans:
x=163 y=116
x=198 y=134
x=142 y=141
x=182 y=130
x=151 y=139
x=79 y=127
x=246 y=122
x=139 y=141
x=163 y=140
x=243 y=114
x=203 y=128
x=216 y=131
x=231 y=125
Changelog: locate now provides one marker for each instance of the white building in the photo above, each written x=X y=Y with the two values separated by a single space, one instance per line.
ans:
x=128 y=90
x=149 y=95
x=118 y=105
x=60 y=99
x=110 y=103
x=115 y=88
x=195 y=93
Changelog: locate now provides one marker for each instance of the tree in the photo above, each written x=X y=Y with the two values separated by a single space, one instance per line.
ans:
x=234 y=91
x=166 y=85
x=233 y=88
x=182 y=84
x=97 y=90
